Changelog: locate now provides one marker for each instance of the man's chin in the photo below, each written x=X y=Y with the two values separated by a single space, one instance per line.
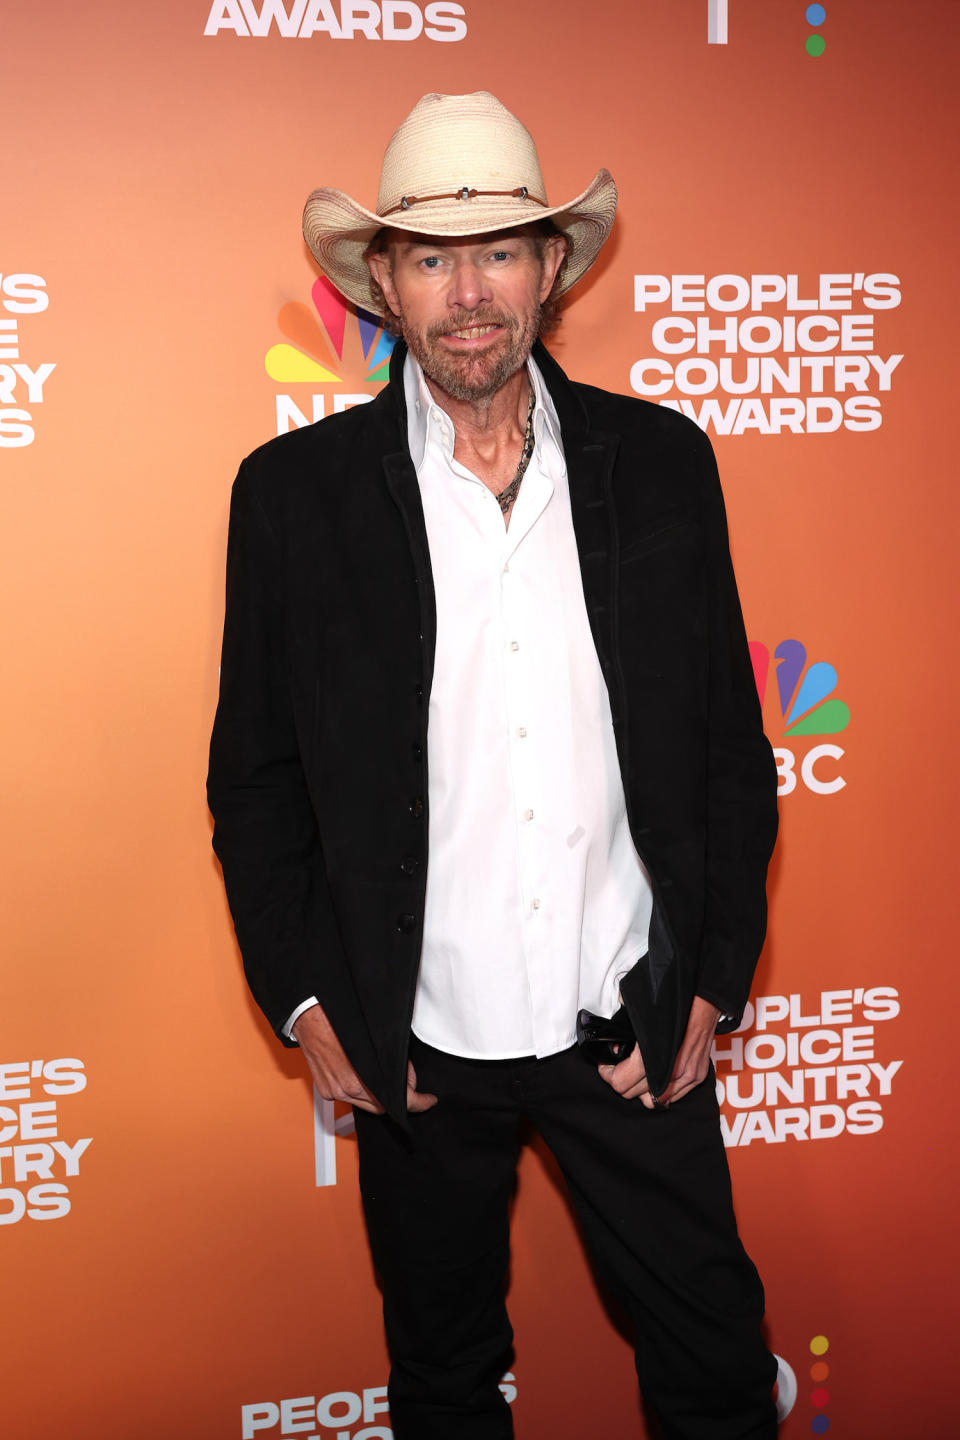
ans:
x=471 y=377
x=473 y=374
x=471 y=388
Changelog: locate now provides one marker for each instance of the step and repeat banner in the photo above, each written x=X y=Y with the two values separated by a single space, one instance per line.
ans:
x=180 y=1233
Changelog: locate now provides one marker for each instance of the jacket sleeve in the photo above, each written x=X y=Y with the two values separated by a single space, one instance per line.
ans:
x=265 y=833
x=741 y=784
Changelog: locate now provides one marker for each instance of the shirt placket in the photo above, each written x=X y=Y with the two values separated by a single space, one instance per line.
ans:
x=520 y=625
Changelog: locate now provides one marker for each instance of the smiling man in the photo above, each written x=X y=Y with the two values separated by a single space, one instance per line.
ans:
x=491 y=795
x=471 y=308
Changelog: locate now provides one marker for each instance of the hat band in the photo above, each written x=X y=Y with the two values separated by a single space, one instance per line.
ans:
x=464 y=193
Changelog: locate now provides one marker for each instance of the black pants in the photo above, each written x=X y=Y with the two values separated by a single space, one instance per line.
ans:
x=653 y=1192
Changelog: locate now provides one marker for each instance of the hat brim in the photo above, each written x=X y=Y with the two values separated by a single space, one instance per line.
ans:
x=338 y=229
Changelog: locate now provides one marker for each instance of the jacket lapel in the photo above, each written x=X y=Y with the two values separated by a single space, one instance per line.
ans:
x=590 y=456
x=401 y=479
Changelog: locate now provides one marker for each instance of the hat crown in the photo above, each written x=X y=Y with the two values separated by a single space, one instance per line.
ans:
x=463 y=165
x=451 y=141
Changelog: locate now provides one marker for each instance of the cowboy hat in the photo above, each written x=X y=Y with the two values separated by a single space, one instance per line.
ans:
x=458 y=165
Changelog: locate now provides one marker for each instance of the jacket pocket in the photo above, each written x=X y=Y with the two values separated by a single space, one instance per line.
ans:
x=663 y=531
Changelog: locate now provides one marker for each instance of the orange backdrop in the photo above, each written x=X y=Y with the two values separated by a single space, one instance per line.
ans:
x=780 y=269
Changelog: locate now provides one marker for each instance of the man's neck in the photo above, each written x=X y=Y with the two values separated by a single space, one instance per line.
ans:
x=486 y=424
x=489 y=434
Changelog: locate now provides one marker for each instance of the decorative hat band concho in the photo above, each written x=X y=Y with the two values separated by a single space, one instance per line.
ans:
x=464 y=193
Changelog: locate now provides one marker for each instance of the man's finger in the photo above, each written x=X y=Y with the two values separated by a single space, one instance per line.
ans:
x=348 y=1088
x=359 y=1097
x=627 y=1077
x=418 y=1100
x=372 y=1107
x=681 y=1085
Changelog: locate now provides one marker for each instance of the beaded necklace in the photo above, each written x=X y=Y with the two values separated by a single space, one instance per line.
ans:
x=506 y=497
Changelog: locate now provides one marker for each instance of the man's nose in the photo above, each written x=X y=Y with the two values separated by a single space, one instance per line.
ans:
x=469 y=286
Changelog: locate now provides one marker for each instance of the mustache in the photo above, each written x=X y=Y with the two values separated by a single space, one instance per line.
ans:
x=467 y=319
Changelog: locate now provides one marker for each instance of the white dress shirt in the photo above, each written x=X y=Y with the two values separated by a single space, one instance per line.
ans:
x=537 y=903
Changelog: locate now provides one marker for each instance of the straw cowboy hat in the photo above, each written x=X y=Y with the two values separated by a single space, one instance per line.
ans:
x=458 y=165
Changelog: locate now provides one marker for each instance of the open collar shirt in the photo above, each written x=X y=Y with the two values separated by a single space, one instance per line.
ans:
x=537 y=903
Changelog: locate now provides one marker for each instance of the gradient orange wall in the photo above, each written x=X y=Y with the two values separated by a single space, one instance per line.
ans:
x=185 y=1263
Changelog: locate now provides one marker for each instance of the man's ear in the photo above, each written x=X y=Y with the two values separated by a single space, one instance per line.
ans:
x=554 y=251
x=382 y=272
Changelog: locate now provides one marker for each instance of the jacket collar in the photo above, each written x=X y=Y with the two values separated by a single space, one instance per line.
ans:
x=571 y=411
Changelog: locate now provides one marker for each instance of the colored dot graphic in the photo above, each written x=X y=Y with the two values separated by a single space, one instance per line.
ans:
x=819 y=1345
x=815 y=44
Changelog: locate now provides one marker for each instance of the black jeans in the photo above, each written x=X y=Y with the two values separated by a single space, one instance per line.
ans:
x=653 y=1193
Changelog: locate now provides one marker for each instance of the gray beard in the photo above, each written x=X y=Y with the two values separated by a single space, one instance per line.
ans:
x=472 y=378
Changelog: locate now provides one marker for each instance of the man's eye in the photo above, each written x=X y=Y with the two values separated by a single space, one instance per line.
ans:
x=430 y=262
x=500 y=255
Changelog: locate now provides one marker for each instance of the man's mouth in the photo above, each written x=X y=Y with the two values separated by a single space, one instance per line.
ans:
x=473 y=332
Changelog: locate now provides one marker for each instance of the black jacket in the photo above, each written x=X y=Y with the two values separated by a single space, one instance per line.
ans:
x=318 y=781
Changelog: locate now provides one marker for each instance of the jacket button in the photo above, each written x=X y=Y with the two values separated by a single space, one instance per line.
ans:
x=406 y=924
x=416 y=750
x=416 y=807
x=418 y=691
x=409 y=865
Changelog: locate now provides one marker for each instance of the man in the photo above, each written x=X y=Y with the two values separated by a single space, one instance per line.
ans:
x=490 y=619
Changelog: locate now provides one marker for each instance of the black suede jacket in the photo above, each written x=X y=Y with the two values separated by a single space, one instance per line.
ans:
x=318 y=782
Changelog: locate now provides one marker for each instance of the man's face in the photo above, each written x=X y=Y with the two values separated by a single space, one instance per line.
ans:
x=468 y=307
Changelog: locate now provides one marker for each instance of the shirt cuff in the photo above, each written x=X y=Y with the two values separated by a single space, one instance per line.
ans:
x=288 y=1028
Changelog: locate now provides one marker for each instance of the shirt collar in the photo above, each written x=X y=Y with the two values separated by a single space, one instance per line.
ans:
x=426 y=419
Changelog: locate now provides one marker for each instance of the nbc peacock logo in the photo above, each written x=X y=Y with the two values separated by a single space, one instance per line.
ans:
x=807 y=708
x=339 y=349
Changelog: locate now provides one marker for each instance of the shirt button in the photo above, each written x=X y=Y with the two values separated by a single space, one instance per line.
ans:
x=528 y=814
x=521 y=733
x=406 y=923
x=535 y=904
x=409 y=865
x=416 y=807
x=514 y=644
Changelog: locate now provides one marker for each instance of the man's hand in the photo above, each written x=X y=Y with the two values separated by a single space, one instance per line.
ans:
x=333 y=1075
x=629 y=1078
x=417 y=1100
x=693 y=1060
